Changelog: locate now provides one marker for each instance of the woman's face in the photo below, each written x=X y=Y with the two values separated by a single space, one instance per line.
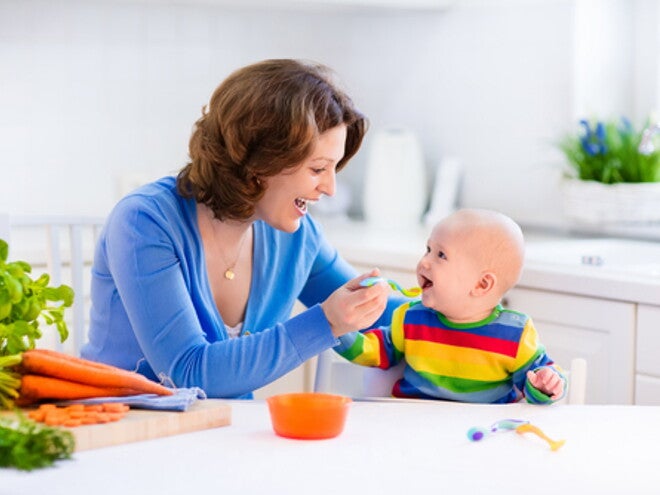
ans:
x=289 y=193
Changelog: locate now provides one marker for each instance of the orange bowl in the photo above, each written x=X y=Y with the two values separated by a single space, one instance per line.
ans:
x=308 y=415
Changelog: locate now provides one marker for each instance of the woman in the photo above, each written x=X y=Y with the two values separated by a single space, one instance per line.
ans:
x=194 y=278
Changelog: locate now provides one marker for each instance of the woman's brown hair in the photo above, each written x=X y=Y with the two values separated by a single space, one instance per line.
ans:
x=263 y=119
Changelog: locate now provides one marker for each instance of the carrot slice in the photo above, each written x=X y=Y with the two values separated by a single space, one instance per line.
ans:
x=77 y=414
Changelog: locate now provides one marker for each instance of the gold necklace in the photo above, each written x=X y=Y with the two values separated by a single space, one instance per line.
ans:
x=229 y=272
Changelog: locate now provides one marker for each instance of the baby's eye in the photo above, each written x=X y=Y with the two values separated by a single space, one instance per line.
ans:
x=442 y=255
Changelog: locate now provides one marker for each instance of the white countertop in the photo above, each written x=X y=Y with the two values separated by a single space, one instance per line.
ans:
x=386 y=448
x=622 y=276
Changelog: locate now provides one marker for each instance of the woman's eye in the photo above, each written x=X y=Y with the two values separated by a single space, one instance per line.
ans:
x=318 y=170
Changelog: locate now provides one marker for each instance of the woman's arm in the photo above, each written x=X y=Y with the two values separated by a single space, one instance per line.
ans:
x=175 y=322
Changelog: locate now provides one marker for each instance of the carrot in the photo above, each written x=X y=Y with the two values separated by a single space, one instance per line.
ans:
x=69 y=357
x=58 y=365
x=116 y=407
x=78 y=414
x=36 y=387
x=75 y=408
x=94 y=407
x=37 y=415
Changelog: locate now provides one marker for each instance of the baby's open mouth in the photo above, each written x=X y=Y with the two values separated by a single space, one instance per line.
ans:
x=426 y=283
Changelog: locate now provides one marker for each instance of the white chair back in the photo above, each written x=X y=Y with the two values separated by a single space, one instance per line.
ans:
x=4 y=226
x=63 y=247
x=577 y=382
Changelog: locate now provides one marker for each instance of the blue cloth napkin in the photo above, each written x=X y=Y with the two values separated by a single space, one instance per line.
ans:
x=181 y=400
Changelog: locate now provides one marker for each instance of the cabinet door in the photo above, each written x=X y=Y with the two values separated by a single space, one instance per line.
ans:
x=598 y=330
x=647 y=384
x=648 y=340
x=647 y=390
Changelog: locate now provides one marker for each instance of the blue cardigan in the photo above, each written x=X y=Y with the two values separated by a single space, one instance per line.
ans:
x=153 y=310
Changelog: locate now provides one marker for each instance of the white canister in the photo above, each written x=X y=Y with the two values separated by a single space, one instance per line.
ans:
x=395 y=180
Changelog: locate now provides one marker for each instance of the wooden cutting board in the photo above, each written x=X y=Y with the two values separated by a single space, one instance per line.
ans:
x=144 y=424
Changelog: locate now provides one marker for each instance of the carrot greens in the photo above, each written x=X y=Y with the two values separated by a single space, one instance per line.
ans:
x=25 y=303
x=28 y=445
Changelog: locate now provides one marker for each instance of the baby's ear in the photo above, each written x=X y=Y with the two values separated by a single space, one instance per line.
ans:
x=485 y=284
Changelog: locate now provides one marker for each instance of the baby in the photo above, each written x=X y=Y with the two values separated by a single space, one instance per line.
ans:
x=458 y=342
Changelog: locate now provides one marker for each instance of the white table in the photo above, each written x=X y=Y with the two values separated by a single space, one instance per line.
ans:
x=404 y=448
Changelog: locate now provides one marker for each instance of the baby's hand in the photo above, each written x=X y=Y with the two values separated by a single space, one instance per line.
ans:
x=547 y=381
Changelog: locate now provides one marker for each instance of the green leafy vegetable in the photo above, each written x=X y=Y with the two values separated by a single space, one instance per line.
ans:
x=25 y=303
x=27 y=445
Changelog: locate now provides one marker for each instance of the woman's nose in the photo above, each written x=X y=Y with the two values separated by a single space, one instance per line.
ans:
x=329 y=184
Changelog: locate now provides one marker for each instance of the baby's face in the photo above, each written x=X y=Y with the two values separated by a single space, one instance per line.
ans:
x=448 y=271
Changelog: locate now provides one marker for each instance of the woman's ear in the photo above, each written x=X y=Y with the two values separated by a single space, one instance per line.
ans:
x=485 y=284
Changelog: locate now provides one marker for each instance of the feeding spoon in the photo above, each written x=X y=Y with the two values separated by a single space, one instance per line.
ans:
x=412 y=292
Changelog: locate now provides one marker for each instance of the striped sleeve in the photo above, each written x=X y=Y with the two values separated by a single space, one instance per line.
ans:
x=375 y=347
x=531 y=357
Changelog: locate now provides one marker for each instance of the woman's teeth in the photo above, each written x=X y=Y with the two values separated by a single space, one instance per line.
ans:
x=302 y=204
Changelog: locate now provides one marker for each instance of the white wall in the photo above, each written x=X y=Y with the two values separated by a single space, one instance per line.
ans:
x=95 y=91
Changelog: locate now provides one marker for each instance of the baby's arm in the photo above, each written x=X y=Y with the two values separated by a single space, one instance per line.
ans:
x=548 y=381
x=369 y=348
x=380 y=347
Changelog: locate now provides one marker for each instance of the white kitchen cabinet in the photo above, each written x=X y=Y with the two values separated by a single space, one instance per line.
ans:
x=647 y=378
x=296 y=380
x=647 y=390
x=299 y=379
x=326 y=5
x=599 y=330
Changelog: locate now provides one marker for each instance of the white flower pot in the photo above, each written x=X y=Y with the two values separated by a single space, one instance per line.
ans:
x=597 y=203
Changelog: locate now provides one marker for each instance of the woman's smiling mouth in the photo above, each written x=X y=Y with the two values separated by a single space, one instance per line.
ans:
x=302 y=204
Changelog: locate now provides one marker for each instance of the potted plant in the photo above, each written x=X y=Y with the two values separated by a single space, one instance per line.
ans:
x=613 y=174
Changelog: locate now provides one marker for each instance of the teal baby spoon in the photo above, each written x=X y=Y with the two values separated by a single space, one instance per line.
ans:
x=412 y=292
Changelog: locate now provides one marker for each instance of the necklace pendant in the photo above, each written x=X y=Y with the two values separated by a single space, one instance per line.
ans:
x=229 y=274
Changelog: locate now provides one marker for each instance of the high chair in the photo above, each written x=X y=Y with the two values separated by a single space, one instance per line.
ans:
x=338 y=376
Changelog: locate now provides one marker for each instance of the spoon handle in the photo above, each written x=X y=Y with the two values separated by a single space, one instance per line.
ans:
x=412 y=292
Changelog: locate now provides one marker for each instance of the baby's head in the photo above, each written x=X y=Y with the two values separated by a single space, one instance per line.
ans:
x=473 y=258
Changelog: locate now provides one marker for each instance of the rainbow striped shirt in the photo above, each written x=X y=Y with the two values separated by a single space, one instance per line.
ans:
x=484 y=362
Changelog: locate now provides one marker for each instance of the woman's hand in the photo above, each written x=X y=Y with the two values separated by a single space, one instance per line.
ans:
x=352 y=307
